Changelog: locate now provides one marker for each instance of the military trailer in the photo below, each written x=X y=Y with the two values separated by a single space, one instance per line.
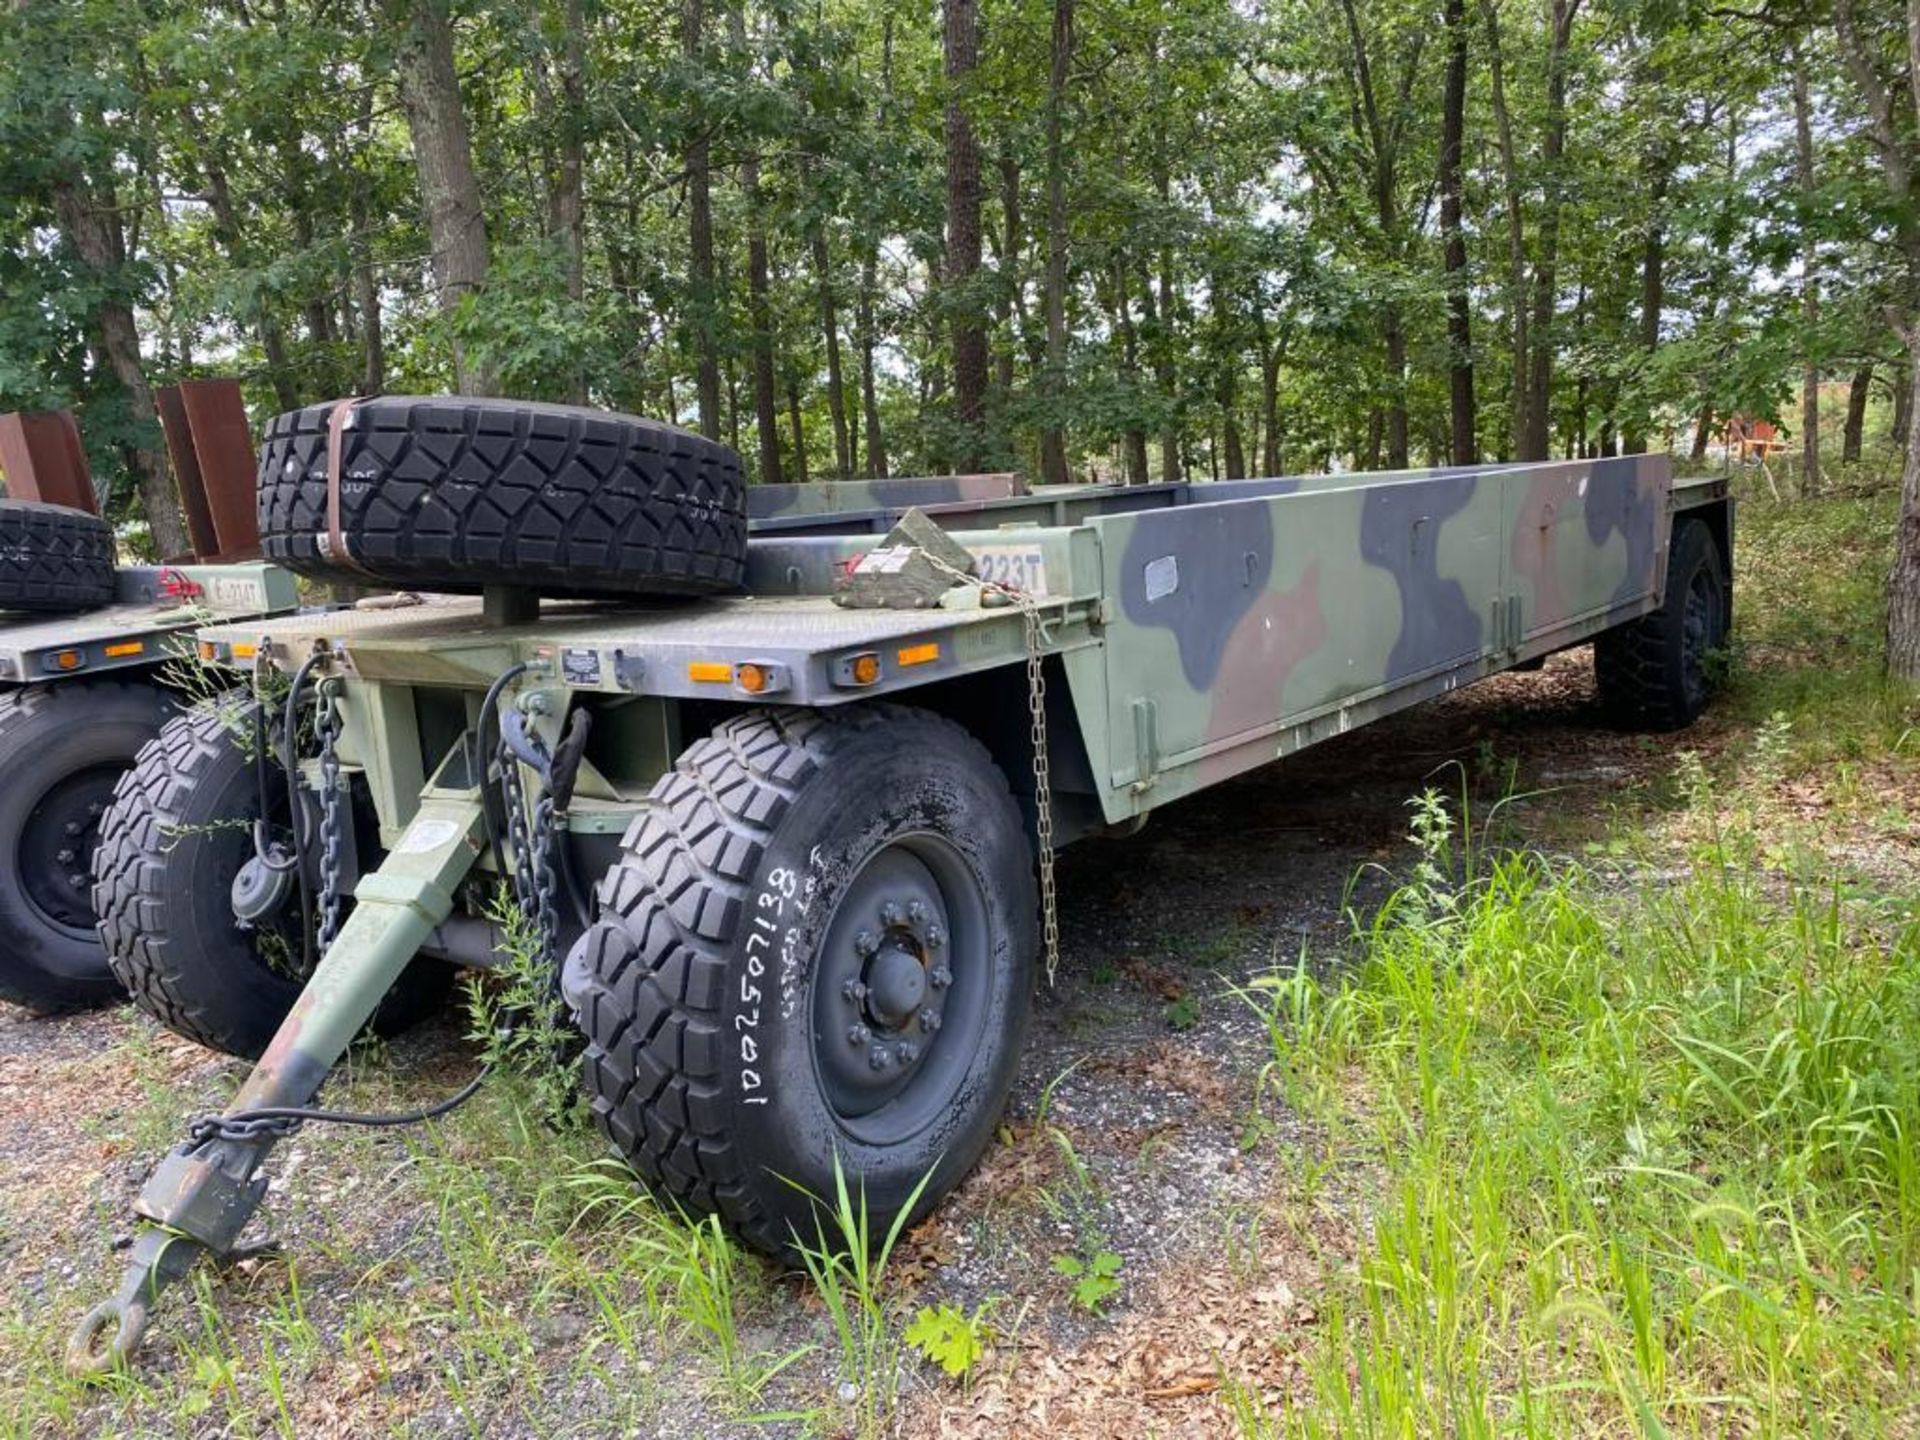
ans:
x=787 y=802
x=83 y=646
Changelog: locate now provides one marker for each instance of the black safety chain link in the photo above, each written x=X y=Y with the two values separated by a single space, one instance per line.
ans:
x=326 y=723
x=530 y=837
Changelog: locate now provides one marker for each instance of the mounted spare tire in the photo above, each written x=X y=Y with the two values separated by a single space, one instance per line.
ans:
x=53 y=559
x=454 y=494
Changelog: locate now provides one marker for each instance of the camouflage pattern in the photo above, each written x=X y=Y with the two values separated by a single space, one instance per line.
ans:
x=1200 y=630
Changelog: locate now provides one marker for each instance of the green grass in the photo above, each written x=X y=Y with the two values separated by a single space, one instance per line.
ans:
x=1644 y=1152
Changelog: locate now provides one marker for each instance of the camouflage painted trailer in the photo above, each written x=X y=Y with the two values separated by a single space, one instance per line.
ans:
x=802 y=822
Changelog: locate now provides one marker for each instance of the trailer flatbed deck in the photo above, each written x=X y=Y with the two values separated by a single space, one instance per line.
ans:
x=151 y=604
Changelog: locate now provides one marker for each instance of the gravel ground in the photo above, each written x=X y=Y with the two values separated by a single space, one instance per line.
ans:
x=1137 y=1125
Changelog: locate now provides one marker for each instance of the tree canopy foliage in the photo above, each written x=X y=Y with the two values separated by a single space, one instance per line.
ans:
x=1138 y=239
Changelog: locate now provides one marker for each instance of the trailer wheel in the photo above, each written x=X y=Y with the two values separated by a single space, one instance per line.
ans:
x=454 y=494
x=818 y=944
x=1655 y=673
x=53 y=558
x=171 y=844
x=62 y=747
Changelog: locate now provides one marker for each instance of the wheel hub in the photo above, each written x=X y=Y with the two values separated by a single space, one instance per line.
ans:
x=896 y=983
x=56 y=847
x=885 y=983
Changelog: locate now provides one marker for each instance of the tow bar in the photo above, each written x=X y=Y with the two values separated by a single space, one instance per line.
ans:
x=200 y=1197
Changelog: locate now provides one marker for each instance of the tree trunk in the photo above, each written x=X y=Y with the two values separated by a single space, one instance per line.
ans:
x=799 y=431
x=830 y=332
x=443 y=155
x=1273 y=460
x=1171 y=468
x=1809 y=275
x=1516 y=234
x=567 y=203
x=1864 y=62
x=226 y=229
x=1053 y=438
x=91 y=226
x=1545 y=276
x=1653 y=285
x=366 y=280
x=1702 y=430
x=1006 y=335
x=1857 y=392
x=1902 y=425
x=766 y=396
x=962 y=53
x=1134 y=438
x=704 y=296
x=1464 y=423
x=1903 y=584
x=1398 y=454
x=869 y=399
x=760 y=315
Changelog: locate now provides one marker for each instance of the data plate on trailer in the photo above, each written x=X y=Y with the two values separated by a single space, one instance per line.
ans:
x=1018 y=567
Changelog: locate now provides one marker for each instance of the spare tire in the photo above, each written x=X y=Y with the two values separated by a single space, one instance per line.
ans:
x=452 y=494
x=53 y=559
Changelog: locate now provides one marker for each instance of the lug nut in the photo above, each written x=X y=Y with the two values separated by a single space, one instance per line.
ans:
x=890 y=913
x=77 y=881
x=879 y=1058
x=853 y=992
x=94 y=807
x=858 y=1036
x=916 y=913
x=929 y=1021
x=65 y=857
x=939 y=977
x=936 y=937
x=908 y=1053
x=865 y=943
x=74 y=827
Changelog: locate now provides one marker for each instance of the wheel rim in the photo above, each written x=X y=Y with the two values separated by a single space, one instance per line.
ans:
x=55 y=853
x=901 y=990
x=1698 y=622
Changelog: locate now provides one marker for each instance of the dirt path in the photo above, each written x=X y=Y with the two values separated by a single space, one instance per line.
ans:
x=1138 y=1127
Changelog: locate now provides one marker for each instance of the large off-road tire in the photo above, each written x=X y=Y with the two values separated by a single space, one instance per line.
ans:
x=62 y=748
x=178 y=832
x=1657 y=672
x=818 y=944
x=53 y=559
x=450 y=494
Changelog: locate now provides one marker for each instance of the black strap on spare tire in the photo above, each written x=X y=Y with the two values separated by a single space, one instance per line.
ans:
x=336 y=539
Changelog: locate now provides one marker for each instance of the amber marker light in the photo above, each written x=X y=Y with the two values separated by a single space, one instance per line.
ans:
x=710 y=672
x=918 y=654
x=750 y=678
x=66 y=660
x=124 y=649
x=851 y=672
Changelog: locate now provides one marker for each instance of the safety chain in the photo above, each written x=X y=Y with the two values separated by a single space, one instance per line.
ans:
x=1029 y=609
x=326 y=724
x=534 y=879
x=238 y=1131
